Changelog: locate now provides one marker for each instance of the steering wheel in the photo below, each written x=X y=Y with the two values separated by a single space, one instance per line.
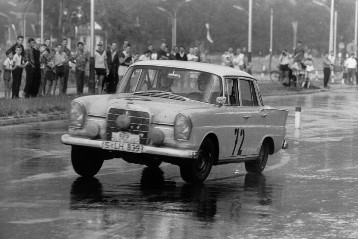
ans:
x=195 y=96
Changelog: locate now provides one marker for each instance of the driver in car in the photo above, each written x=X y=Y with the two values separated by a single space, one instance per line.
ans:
x=166 y=84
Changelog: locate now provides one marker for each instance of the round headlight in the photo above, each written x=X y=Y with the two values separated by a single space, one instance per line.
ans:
x=182 y=127
x=77 y=115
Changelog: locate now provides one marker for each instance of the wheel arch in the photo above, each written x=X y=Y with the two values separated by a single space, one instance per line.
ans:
x=271 y=144
x=215 y=141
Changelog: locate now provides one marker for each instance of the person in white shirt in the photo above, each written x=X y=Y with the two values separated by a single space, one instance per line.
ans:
x=238 y=60
x=192 y=56
x=17 y=71
x=351 y=65
x=100 y=66
x=145 y=56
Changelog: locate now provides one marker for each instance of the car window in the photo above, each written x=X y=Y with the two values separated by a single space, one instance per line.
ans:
x=248 y=93
x=232 y=91
x=195 y=85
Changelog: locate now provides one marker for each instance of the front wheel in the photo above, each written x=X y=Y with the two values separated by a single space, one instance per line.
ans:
x=258 y=165
x=86 y=161
x=197 y=170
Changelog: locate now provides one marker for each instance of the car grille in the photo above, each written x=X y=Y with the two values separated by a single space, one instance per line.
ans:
x=139 y=123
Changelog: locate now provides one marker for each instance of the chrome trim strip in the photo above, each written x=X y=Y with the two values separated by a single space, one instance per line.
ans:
x=170 y=152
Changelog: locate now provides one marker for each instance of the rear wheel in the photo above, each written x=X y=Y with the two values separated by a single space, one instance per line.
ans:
x=86 y=161
x=258 y=165
x=197 y=170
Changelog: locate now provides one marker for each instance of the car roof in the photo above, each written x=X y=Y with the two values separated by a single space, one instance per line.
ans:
x=198 y=66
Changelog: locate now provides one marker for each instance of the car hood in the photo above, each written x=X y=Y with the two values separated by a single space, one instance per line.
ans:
x=163 y=110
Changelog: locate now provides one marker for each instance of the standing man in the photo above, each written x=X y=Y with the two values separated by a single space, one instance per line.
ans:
x=125 y=60
x=351 y=65
x=113 y=64
x=80 y=59
x=66 y=66
x=32 y=68
x=326 y=70
x=162 y=54
x=19 y=42
x=100 y=66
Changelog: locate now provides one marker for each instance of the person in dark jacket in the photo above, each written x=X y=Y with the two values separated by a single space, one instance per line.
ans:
x=19 y=42
x=113 y=64
x=181 y=55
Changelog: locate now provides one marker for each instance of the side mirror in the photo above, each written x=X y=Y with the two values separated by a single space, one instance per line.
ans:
x=220 y=100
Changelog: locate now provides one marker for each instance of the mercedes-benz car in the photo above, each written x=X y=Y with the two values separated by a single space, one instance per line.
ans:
x=194 y=115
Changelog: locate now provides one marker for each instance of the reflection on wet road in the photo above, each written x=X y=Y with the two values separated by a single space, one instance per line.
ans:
x=307 y=191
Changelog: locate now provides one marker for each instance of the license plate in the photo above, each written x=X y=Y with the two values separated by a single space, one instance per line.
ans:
x=127 y=147
x=124 y=137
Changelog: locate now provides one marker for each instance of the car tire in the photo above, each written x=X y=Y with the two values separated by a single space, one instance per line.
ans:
x=153 y=163
x=258 y=165
x=198 y=169
x=85 y=161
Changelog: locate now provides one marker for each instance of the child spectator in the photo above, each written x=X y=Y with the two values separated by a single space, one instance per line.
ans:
x=8 y=66
x=17 y=71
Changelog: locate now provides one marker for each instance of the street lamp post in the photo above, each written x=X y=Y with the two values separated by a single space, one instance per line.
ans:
x=332 y=22
x=271 y=38
x=173 y=17
x=249 y=47
x=355 y=26
x=42 y=21
x=250 y=37
x=331 y=27
x=91 y=81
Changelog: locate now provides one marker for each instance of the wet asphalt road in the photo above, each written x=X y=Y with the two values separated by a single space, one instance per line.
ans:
x=307 y=191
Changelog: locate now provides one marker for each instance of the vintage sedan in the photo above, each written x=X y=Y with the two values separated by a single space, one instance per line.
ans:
x=194 y=115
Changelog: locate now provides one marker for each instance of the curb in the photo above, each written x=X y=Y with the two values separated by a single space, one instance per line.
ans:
x=32 y=119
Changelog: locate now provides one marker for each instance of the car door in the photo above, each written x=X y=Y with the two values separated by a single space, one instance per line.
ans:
x=233 y=131
x=253 y=115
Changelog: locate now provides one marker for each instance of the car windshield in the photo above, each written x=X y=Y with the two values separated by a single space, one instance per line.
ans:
x=166 y=81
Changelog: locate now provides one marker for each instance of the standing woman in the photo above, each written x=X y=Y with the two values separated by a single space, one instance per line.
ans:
x=125 y=60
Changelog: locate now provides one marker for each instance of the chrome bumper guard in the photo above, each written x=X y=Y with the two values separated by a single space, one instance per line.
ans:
x=284 y=144
x=170 y=152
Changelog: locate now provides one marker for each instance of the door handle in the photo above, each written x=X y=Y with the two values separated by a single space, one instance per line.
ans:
x=263 y=115
x=246 y=116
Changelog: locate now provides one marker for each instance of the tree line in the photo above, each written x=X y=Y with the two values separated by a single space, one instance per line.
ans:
x=142 y=23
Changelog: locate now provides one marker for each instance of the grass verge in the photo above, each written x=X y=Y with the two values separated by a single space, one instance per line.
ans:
x=24 y=107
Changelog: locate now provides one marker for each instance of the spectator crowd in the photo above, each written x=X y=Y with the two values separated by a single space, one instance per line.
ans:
x=47 y=65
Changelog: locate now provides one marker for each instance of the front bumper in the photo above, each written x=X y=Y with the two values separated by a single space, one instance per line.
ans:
x=147 y=149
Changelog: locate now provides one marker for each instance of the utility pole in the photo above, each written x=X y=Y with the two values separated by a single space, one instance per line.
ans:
x=91 y=81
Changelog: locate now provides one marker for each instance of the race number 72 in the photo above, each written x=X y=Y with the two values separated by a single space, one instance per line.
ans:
x=239 y=136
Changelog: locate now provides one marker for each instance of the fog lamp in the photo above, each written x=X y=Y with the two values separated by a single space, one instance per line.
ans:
x=92 y=130
x=156 y=136
x=123 y=121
